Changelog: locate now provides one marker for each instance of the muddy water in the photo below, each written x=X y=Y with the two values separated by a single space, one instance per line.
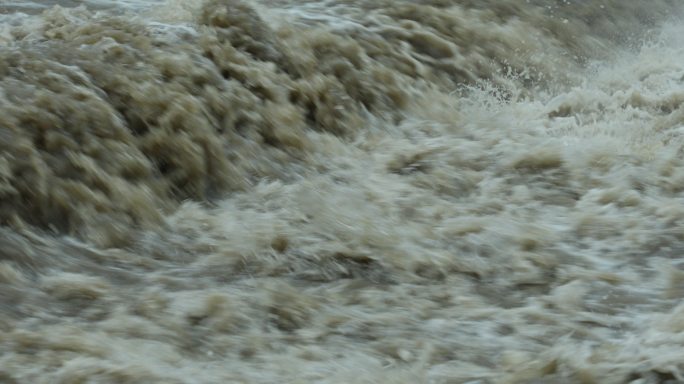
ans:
x=341 y=191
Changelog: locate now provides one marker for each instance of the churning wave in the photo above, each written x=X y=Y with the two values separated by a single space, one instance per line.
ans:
x=433 y=191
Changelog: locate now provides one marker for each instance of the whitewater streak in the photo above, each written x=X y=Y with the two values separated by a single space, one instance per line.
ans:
x=341 y=191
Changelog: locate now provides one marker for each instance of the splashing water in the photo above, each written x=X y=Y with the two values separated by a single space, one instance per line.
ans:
x=338 y=191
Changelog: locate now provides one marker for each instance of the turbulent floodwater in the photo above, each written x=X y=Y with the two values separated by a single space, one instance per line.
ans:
x=341 y=191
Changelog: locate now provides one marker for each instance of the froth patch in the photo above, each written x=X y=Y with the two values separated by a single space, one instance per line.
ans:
x=71 y=286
